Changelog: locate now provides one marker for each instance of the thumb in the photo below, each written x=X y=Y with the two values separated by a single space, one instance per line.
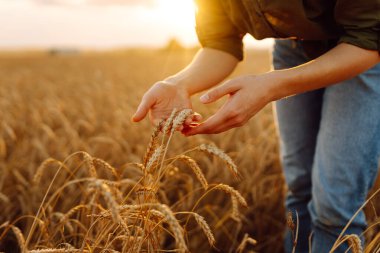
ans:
x=218 y=92
x=142 y=109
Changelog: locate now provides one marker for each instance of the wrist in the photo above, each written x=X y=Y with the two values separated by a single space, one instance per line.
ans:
x=182 y=84
x=278 y=86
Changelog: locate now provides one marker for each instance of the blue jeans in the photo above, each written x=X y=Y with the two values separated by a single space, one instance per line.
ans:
x=330 y=145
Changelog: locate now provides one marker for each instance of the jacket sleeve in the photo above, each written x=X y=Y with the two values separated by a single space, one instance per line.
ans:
x=215 y=29
x=360 y=21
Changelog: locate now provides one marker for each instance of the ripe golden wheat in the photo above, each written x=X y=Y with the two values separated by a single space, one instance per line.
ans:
x=53 y=106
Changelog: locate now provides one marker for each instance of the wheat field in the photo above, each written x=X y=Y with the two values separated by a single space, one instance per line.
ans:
x=78 y=176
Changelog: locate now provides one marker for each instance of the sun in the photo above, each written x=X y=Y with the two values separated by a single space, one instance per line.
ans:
x=179 y=14
x=182 y=10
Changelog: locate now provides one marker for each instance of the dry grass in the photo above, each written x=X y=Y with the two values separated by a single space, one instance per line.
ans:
x=125 y=192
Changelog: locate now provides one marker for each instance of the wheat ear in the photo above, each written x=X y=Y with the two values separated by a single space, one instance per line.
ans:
x=154 y=159
x=111 y=203
x=90 y=163
x=354 y=242
x=205 y=227
x=195 y=168
x=180 y=118
x=169 y=217
x=20 y=239
x=213 y=150
x=169 y=122
x=57 y=251
x=246 y=240
x=152 y=143
x=37 y=176
x=228 y=189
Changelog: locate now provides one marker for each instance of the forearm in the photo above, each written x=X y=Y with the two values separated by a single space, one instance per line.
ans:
x=341 y=63
x=208 y=68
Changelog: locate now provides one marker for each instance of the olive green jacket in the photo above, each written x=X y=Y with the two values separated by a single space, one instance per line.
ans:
x=321 y=24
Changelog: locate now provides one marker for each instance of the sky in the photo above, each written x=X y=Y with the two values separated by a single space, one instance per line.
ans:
x=98 y=24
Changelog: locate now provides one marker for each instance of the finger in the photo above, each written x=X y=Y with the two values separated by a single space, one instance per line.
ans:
x=218 y=129
x=224 y=127
x=188 y=120
x=207 y=127
x=218 y=92
x=143 y=109
x=187 y=128
x=195 y=117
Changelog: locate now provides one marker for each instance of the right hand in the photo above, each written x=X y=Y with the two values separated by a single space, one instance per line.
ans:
x=161 y=99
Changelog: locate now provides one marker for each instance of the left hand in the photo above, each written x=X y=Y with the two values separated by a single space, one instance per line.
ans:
x=247 y=96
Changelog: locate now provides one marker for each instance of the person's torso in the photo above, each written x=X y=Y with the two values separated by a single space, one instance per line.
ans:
x=301 y=19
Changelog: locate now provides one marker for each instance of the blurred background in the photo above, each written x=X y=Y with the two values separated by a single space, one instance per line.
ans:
x=99 y=24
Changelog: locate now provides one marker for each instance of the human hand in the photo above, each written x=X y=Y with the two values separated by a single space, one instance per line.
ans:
x=161 y=99
x=247 y=95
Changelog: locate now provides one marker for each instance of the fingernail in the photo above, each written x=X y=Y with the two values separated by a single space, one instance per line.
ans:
x=204 y=98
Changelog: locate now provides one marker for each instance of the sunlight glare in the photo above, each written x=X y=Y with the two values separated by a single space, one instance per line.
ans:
x=180 y=14
x=181 y=11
